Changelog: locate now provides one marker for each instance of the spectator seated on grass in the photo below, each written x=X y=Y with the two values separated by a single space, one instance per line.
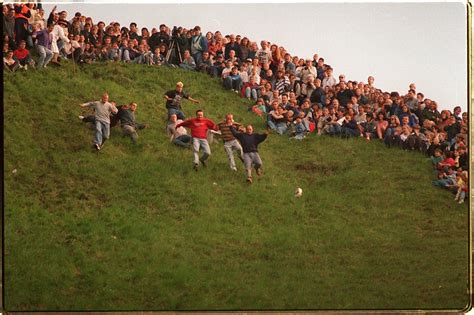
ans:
x=300 y=130
x=259 y=108
x=188 y=62
x=446 y=179
x=23 y=56
x=349 y=126
x=232 y=81
x=10 y=62
x=462 y=182
x=277 y=121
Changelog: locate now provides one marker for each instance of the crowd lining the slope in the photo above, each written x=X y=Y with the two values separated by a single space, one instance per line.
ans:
x=295 y=96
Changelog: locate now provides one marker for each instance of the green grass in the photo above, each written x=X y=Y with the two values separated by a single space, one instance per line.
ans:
x=135 y=228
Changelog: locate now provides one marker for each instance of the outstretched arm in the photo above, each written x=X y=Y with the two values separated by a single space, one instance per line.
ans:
x=193 y=100
x=88 y=104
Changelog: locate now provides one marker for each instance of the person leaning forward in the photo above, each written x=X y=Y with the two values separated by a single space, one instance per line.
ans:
x=230 y=143
x=128 y=122
x=173 y=101
x=103 y=110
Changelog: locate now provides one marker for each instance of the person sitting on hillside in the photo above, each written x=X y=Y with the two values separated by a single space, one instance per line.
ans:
x=462 y=183
x=173 y=100
x=233 y=58
x=446 y=178
x=259 y=108
x=188 y=62
x=349 y=126
x=300 y=130
x=251 y=89
x=276 y=119
x=10 y=63
x=159 y=55
x=233 y=81
x=23 y=56
x=128 y=122
x=249 y=142
x=227 y=70
x=178 y=136
x=206 y=64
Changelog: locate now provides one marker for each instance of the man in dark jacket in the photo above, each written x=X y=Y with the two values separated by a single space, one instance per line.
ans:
x=250 y=142
x=128 y=122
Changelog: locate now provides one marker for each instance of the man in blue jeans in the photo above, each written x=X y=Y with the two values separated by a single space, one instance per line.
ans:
x=173 y=100
x=102 y=109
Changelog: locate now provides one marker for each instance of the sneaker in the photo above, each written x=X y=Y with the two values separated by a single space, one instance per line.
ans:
x=97 y=147
x=236 y=91
x=461 y=201
x=196 y=167
x=234 y=169
x=80 y=117
x=25 y=67
x=259 y=171
x=203 y=162
x=249 y=180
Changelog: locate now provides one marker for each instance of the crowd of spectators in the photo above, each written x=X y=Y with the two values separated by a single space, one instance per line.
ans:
x=293 y=95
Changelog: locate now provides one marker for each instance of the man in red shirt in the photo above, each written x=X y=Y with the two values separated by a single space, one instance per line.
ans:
x=199 y=127
x=23 y=55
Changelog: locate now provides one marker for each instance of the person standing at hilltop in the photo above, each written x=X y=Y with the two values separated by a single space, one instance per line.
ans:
x=199 y=127
x=199 y=45
x=103 y=109
x=173 y=100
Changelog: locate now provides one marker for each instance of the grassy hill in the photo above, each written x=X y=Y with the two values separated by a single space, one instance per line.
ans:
x=135 y=228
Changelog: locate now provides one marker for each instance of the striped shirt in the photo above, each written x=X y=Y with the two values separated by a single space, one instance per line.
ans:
x=226 y=134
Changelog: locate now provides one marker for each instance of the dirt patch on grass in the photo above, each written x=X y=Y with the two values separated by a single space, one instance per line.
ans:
x=317 y=168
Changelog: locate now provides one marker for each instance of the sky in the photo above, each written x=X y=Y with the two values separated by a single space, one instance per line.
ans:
x=397 y=43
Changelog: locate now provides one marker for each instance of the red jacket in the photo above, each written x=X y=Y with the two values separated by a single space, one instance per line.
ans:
x=21 y=54
x=198 y=127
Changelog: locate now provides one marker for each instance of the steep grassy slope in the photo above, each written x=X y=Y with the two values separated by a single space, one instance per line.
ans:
x=135 y=228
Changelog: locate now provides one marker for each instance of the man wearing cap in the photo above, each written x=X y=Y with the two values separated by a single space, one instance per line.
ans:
x=199 y=127
x=306 y=71
x=173 y=100
x=198 y=45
